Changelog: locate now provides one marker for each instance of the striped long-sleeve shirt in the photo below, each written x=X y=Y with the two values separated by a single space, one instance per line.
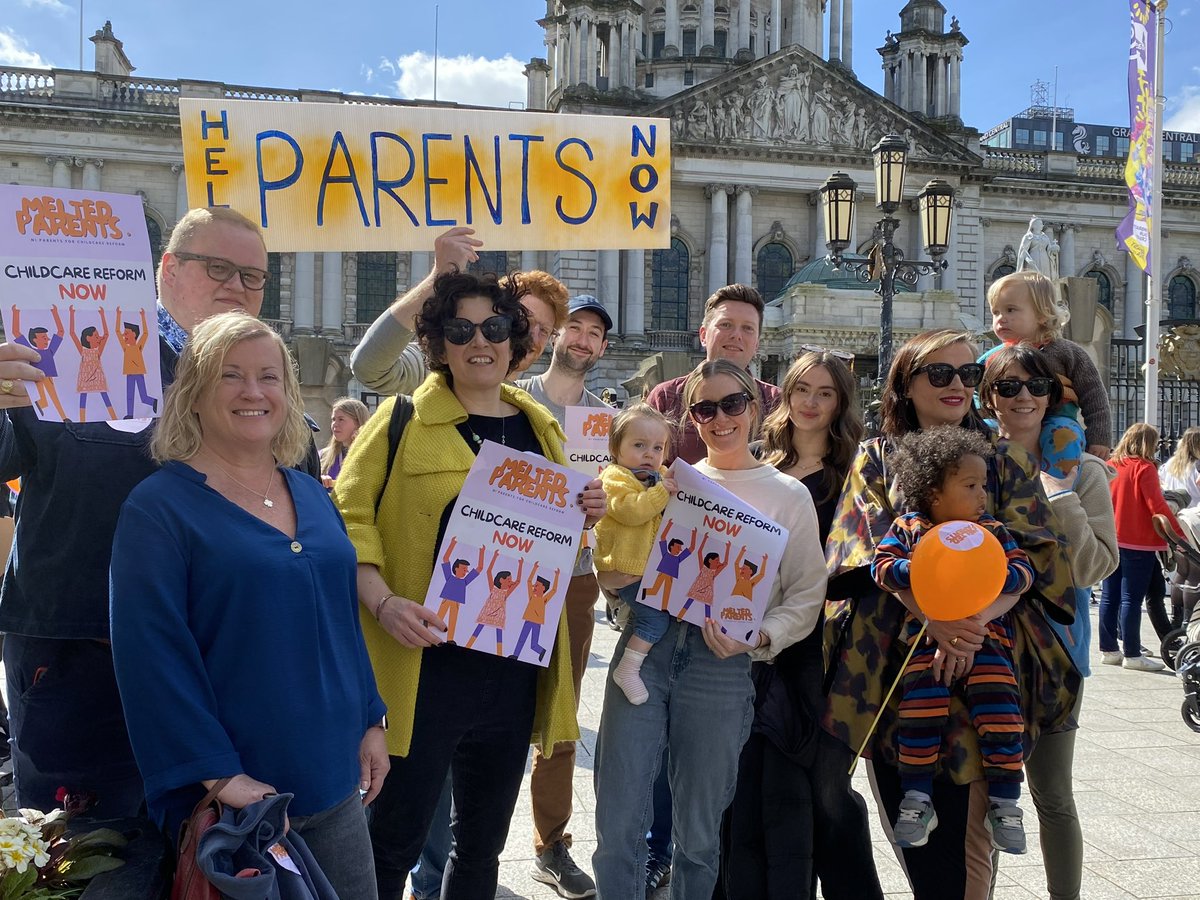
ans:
x=892 y=566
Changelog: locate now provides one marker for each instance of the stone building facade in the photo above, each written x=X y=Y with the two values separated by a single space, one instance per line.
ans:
x=764 y=104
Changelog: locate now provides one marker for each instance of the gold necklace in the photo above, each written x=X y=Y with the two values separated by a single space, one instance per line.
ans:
x=268 y=503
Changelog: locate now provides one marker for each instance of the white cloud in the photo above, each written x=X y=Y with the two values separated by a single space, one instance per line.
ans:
x=1185 y=110
x=54 y=6
x=15 y=52
x=463 y=79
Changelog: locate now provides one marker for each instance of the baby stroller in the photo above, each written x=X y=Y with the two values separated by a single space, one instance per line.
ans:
x=1181 y=647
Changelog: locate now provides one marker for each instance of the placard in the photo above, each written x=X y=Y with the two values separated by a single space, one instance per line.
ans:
x=320 y=176
x=586 y=445
x=77 y=286
x=506 y=558
x=716 y=557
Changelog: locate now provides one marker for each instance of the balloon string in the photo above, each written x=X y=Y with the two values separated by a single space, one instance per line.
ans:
x=870 y=731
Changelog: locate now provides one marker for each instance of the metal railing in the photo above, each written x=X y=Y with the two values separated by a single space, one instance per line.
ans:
x=1178 y=400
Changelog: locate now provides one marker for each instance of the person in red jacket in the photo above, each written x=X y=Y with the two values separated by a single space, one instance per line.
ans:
x=1137 y=497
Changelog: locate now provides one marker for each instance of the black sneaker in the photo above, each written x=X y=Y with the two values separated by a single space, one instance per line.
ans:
x=555 y=867
x=658 y=874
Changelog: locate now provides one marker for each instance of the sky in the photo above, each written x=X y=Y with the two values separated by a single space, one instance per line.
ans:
x=482 y=47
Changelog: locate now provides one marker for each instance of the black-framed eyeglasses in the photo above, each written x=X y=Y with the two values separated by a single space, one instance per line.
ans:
x=705 y=411
x=1011 y=387
x=496 y=330
x=941 y=374
x=222 y=270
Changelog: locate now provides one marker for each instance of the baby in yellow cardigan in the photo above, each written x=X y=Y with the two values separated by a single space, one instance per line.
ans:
x=638 y=487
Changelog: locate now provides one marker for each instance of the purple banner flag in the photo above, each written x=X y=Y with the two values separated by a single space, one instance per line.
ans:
x=1134 y=231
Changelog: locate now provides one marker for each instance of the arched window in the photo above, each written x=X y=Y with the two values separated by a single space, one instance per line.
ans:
x=493 y=261
x=1181 y=298
x=669 y=287
x=376 y=284
x=1104 y=283
x=270 y=306
x=774 y=269
x=154 y=233
x=1001 y=270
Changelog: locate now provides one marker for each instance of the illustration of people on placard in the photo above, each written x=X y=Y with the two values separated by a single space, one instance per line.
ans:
x=747 y=575
x=496 y=605
x=133 y=367
x=91 y=343
x=541 y=592
x=46 y=345
x=701 y=591
x=671 y=555
x=457 y=576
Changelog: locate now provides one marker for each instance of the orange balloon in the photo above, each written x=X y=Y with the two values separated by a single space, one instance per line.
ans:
x=14 y=485
x=958 y=569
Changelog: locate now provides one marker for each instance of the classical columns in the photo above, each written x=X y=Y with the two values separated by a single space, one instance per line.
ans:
x=955 y=78
x=743 y=25
x=848 y=34
x=573 y=56
x=608 y=281
x=615 y=58
x=1134 y=298
x=91 y=174
x=61 y=171
x=941 y=92
x=529 y=260
x=818 y=226
x=835 y=30
x=420 y=264
x=587 y=54
x=672 y=38
x=303 y=292
x=718 y=239
x=743 y=235
x=776 y=24
x=920 y=84
x=1066 y=252
x=181 y=198
x=708 y=15
x=633 y=300
x=331 y=292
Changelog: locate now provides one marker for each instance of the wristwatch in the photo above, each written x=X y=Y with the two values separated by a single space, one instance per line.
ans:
x=382 y=723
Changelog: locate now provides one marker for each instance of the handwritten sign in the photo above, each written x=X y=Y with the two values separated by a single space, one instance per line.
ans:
x=317 y=176
x=586 y=445
x=77 y=286
x=507 y=555
x=716 y=557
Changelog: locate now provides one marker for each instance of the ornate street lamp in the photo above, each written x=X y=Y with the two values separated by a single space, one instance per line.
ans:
x=887 y=262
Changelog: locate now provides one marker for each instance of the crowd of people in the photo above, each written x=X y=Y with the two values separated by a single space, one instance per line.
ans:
x=209 y=598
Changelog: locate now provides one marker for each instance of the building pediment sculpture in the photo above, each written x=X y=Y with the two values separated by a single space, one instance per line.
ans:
x=1179 y=352
x=792 y=99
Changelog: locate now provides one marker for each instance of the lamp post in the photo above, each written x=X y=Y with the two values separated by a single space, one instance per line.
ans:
x=887 y=262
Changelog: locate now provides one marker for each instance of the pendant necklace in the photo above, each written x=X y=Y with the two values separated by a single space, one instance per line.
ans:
x=266 y=501
x=478 y=440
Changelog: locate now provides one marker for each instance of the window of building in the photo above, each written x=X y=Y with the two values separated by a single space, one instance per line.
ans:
x=154 y=233
x=721 y=42
x=1123 y=147
x=649 y=79
x=493 y=261
x=1186 y=151
x=1181 y=298
x=1039 y=137
x=375 y=284
x=1102 y=145
x=270 y=306
x=689 y=42
x=658 y=40
x=1022 y=138
x=1104 y=283
x=669 y=287
x=689 y=78
x=753 y=42
x=1001 y=270
x=1058 y=140
x=774 y=269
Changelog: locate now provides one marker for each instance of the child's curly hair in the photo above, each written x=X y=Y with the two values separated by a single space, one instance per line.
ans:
x=924 y=459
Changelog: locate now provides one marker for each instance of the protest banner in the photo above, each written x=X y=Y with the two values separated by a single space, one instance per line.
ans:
x=77 y=281
x=507 y=555
x=319 y=176
x=586 y=445
x=705 y=528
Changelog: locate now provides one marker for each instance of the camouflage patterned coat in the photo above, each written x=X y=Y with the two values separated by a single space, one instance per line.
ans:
x=862 y=645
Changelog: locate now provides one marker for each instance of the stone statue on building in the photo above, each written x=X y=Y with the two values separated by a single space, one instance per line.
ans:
x=822 y=109
x=1180 y=352
x=762 y=109
x=793 y=102
x=1038 y=251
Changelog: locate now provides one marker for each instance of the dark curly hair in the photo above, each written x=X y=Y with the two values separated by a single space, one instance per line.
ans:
x=924 y=458
x=451 y=287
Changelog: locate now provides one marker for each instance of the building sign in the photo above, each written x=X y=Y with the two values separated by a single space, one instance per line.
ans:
x=319 y=176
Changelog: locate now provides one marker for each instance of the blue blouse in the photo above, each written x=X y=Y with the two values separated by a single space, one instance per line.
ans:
x=238 y=649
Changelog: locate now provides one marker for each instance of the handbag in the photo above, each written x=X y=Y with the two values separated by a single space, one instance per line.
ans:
x=190 y=882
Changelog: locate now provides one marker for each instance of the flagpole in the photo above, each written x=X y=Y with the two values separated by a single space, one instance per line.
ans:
x=1154 y=294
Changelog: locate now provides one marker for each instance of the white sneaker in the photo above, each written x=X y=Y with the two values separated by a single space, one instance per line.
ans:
x=1143 y=664
x=1112 y=657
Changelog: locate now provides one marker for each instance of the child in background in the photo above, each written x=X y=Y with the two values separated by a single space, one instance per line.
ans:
x=638 y=487
x=1024 y=309
x=942 y=473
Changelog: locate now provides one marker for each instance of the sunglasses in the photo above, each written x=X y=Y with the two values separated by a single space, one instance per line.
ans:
x=705 y=411
x=1011 y=387
x=496 y=330
x=941 y=374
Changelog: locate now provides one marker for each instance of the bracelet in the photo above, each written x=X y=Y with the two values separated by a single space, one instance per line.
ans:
x=379 y=606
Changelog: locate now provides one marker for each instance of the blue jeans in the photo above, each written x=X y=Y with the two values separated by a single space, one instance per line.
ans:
x=340 y=843
x=1121 y=601
x=649 y=624
x=658 y=838
x=690 y=692
x=426 y=876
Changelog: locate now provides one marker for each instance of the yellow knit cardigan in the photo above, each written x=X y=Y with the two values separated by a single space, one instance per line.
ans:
x=430 y=466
